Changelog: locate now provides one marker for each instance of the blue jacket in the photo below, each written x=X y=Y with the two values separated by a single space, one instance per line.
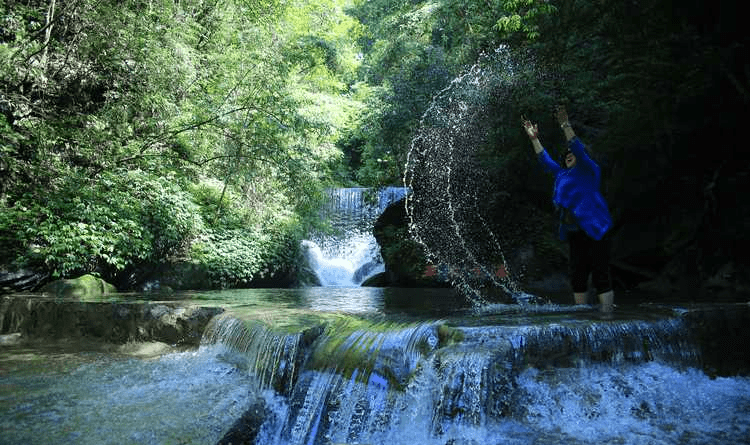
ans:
x=577 y=190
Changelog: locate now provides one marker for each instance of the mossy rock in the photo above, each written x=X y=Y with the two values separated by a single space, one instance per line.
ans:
x=86 y=286
x=449 y=335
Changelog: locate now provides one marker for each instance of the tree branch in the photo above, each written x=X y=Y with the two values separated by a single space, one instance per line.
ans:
x=48 y=31
x=200 y=163
x=39 y=32
x=197 y=125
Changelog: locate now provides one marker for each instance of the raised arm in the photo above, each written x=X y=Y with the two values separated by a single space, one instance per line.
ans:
x=532 y=131
x=562 y=119
x=574 y=143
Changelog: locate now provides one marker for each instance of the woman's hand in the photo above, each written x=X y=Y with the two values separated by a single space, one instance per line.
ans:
x=531 y=129
x=562 y=119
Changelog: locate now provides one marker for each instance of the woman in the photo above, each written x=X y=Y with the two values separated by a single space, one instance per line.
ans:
x=585 y=220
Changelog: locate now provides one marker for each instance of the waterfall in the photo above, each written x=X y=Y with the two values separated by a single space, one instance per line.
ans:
x=273 y=370
x=349 y=254
x=360 y=381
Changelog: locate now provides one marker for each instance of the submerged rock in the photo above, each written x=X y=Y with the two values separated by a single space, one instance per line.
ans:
x=149 y=349
x=246 y=428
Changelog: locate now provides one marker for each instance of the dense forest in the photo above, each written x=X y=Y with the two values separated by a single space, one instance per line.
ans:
x=136 y=135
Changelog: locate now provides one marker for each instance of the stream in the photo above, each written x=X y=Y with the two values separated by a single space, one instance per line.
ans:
x=353 y=365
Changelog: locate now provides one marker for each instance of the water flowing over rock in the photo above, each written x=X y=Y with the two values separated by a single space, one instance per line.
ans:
x=505 y=374
x=374 y=382
x=349 y=254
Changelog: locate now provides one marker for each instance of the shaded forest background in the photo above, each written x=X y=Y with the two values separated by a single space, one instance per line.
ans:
x=136 y=135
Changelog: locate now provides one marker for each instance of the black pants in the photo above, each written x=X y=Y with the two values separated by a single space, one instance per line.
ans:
x=589 y=257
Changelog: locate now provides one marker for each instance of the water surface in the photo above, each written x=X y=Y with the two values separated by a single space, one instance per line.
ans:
x=580 y=378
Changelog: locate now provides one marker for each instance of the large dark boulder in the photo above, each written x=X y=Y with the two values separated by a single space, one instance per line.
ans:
x=405 y=262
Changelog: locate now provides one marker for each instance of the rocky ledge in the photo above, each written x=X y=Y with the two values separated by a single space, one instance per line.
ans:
x=112 y=322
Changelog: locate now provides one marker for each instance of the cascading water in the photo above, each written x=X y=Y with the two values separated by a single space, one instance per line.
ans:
x=559 y=378
x=349 y=254
x=278 y=368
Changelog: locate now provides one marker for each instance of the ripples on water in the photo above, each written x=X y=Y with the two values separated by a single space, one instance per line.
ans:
x=179 y=398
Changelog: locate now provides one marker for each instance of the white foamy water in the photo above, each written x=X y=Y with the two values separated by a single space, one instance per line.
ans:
x=650 y=403
x=350 y=254
x=194 y=397
x=340 y=267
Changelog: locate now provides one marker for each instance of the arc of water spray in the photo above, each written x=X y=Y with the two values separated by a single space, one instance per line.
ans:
x=408 y=179
x=512 y=289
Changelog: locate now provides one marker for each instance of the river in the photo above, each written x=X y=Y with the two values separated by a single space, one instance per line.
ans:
x=333 y=365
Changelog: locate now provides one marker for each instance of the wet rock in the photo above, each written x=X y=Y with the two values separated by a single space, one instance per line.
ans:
x=115 y=322
x=20 y=280
x=155 y=287
x=723 y=338
x=404 y=260
x=245 y=430
x=85 y=286
x=377 y=280
x=364 y=271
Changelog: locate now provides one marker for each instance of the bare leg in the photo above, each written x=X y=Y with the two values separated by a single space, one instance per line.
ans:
x=607 y=300
x=579 y=297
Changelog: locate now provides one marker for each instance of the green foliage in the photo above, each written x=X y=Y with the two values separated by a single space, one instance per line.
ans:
x=131 y=129
x=106 y=225
x=413 y=51
x=233 y=258
x=523 y=16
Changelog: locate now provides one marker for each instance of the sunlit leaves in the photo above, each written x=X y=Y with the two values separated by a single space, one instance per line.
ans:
x=521 y=16
x=122 y=219
x=109 y=139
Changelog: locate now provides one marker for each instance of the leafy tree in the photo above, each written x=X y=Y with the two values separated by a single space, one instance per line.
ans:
x=192 y=95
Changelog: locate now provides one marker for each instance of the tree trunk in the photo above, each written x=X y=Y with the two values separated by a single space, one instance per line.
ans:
x=48 y=31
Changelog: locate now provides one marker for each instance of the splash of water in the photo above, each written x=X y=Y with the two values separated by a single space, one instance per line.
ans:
x=451 y=189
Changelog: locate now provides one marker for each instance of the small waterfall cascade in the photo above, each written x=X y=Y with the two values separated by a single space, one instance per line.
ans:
x=275 y=371
x=359 y=381
x=349 y=254
x=271 y=358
